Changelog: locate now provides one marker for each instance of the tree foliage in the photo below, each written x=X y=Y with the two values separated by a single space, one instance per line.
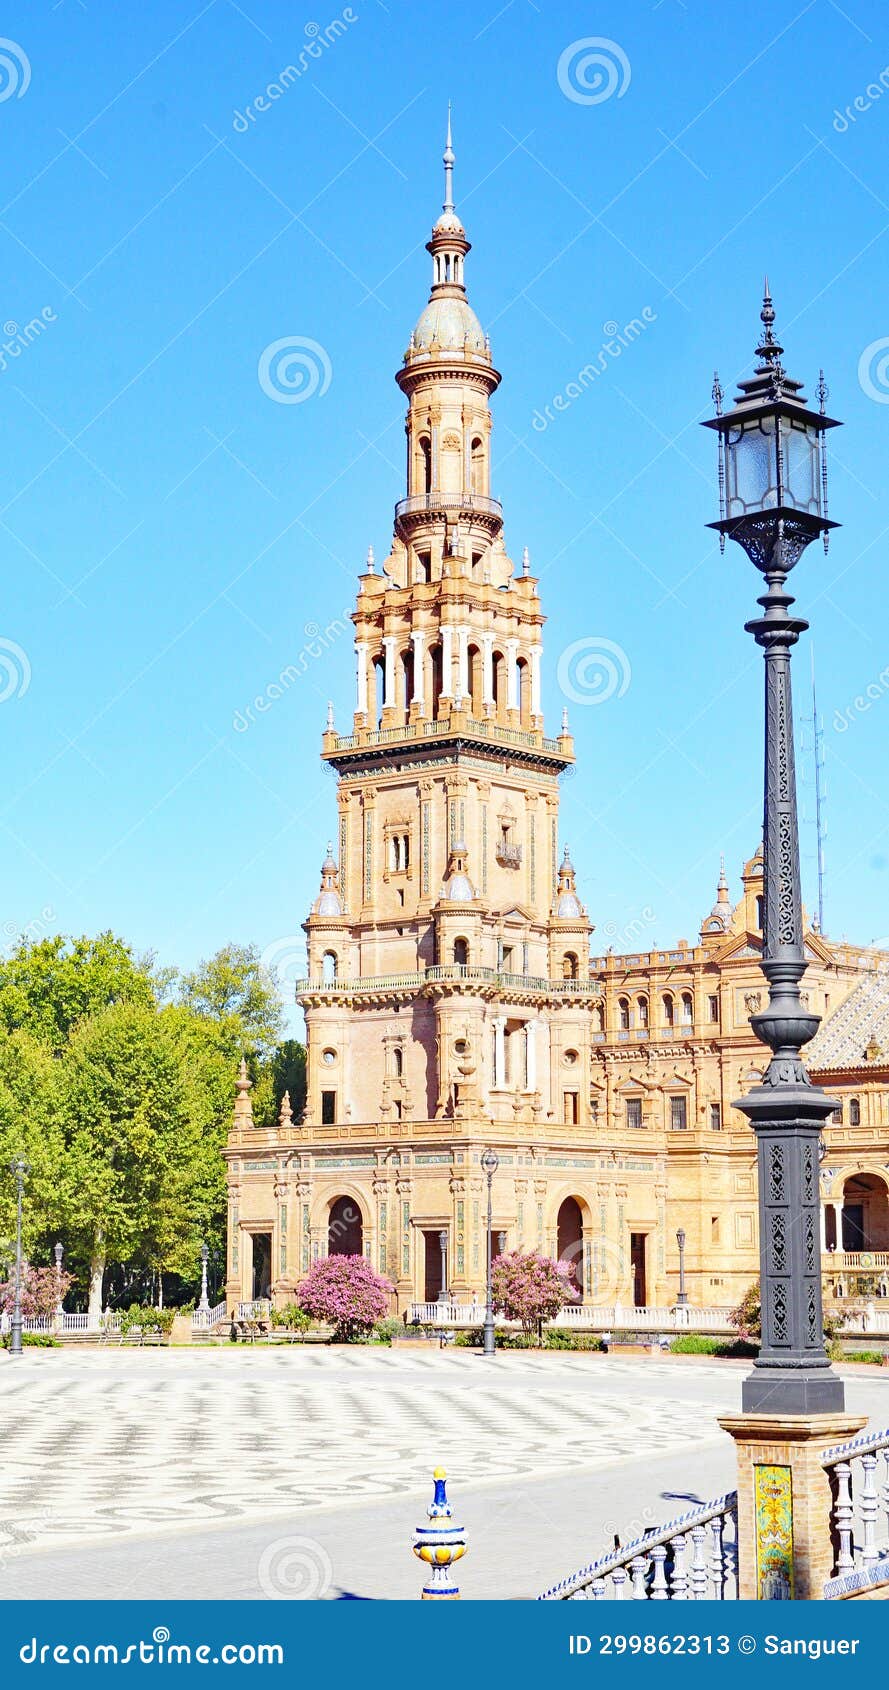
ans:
x=530 y=1288
x=117 y=1085
x=345 y=1292
x=42 y=1289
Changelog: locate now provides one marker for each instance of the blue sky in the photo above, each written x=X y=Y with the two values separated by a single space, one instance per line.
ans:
x=170 y=532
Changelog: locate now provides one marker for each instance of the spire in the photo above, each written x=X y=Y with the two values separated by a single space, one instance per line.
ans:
x=448 y=161
x=526 y=561
x=331 y=725
x=329 y=902
x=243 y=1088
x=371 y=561
x=769 y=347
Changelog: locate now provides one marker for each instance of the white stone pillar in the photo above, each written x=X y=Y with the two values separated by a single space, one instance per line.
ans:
x=462 y=664
x=823 y=1228
x=488 y=670
x=512 y=675
x=838 y=1207
x=530 y=1055
x=447 y=660
x=361 y=699
x=418 y=638
x=536 y=655
x=499 y=1051
x=389 y=644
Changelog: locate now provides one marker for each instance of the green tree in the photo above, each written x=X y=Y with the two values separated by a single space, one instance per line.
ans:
x=48 y=986
x=236 y=991
x=122 y=1108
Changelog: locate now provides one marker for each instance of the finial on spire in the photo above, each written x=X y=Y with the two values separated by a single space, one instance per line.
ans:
x=565 y=719
x=769 y=348
x=723 y=883
x=448 y=161
x=526 y=561
x=285 y=1113
x=243 y=1088
x=330 y=721
x=371 y=561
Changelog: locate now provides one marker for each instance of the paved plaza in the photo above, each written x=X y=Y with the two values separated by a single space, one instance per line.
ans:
x=302 y=1471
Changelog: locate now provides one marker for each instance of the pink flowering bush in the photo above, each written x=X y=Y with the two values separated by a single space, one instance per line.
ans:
x=531 y=1288
x=345 y=1292
x=41 y=1291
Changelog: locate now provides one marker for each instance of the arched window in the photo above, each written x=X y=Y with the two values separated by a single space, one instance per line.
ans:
x=642 y=1008
x=598 y=1019
x=569 y=965
x=461 y=952
x=623 y=1014
x=669 y=1013
x=425 y=446
x=398 y=1062
x=329 y=967
x=760 y=913
x=523 y=690
x=687 y=1008
x=854 y=1112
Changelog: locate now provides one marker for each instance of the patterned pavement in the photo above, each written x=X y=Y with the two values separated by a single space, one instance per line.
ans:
x=97 y=1445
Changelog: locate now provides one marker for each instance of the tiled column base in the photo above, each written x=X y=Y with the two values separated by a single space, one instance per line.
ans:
x=797 y=1442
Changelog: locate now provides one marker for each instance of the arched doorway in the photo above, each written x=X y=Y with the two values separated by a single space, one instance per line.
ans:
x=864 y=1216
x=345 y=1233
x=569 y=1239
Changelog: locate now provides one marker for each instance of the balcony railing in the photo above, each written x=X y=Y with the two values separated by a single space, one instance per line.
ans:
x=419 y=503
x=693 y=1559
x=455 y=971
x=472 y=727
x=508 y=855
x=860 y=1511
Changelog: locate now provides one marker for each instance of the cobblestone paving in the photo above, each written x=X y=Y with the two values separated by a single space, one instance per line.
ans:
x=96 y=1445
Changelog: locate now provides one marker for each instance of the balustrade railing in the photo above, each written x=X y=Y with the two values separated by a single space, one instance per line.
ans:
x=693 y=1559
x=259 y=1309
x=859 y=1476
x=473 y=727
x=613 y=1317
x=203 y=1319
x=454 y=971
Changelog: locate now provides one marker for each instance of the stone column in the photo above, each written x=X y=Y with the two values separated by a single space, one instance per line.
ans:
x=361 y=698
x=780 y=1472
x=536 y=655
x=488 y=671
x=530 y=1055
x=447 y=660
x=418 y=638
x=389 y=699
x=823 y=1228
x=512 y=675
x=499 y=1052
x=462 y=665
x=838 y=1207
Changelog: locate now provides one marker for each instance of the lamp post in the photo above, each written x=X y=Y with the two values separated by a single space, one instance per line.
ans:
x=21 y=1170
x=58 y=1252
x=204 y=1304
x=443 y=1247
x=682 y=1298
x=490 y=1164
x=773 y=502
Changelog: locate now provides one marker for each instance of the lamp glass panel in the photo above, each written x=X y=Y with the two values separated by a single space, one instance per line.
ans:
x=800 y=461
x=751 y=467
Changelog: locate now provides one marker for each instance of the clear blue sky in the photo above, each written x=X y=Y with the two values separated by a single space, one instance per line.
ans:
x=169 y=531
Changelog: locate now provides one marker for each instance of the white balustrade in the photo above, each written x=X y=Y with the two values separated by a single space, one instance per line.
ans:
x=860 y=1511
x=203 y=1319
x=656 y=1566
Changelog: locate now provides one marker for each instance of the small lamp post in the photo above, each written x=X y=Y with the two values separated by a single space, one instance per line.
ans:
x=443 y=1247
x=490 y=1164
x=204 y=1304
x=58 y=1252
x=682 y=1298
x=21 y=1169
x=773 y=502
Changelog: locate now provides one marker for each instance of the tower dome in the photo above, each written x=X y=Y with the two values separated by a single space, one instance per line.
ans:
x=329 y=902
x=568 y=905
x=447 y=324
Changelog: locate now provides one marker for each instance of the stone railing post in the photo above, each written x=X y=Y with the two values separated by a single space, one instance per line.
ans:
x=785 y=1545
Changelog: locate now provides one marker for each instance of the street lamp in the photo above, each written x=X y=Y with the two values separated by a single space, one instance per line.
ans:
x=58 y=1252
x=204 y=1303
x=21 y=1169
x=443 y=1247
x=490 y=1164
x=682 y=1298
x=773 y=501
